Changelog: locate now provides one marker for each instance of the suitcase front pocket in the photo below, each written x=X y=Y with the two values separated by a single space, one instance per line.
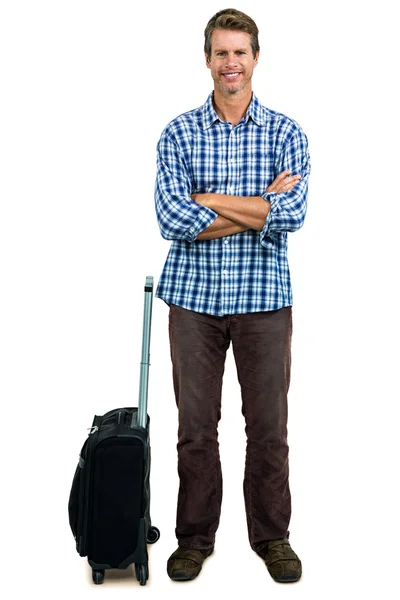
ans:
x=117 y=500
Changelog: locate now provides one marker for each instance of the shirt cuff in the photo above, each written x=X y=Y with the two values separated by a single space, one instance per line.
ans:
x=204 y=218
x=267 y=237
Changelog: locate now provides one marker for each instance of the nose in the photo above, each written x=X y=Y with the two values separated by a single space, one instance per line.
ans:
x=231 y=59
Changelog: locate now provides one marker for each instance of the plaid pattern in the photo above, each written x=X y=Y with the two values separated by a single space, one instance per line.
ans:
x=198 y=153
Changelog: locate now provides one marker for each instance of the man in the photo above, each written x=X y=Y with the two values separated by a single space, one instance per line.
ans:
x=231 y=182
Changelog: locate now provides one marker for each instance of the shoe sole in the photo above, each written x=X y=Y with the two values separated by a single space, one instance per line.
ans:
x=287 y=579
x=184 y=578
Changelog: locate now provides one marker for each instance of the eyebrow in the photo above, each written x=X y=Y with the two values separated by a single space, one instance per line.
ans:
x=236 y=50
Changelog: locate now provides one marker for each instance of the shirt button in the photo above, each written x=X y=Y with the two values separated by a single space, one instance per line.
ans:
x=225 y=272
x=226 y=241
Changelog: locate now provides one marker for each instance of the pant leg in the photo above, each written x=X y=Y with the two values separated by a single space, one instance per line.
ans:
x=262 y=350
x=198 y=349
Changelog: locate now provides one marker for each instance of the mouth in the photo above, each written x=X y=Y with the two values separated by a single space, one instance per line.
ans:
x=231 y=76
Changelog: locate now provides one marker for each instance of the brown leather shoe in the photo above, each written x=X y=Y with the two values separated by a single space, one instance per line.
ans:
x=282 y=562
x=185 y=563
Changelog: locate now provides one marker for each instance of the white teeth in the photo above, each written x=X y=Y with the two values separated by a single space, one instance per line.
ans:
x=231 y=75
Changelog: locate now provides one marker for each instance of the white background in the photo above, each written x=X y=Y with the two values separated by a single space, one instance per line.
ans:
x=86 y=89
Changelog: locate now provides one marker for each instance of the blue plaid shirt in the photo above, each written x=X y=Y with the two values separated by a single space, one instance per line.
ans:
x=197 y=153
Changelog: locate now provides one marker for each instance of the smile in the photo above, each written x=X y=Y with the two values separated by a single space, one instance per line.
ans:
x=231 y=75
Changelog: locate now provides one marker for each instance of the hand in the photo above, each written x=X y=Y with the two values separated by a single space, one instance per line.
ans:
x=283 y=183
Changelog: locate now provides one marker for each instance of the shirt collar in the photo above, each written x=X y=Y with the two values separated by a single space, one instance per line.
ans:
x=255 y=112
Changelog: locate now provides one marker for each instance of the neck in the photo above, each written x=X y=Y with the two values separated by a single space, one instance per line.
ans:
x=232 y=107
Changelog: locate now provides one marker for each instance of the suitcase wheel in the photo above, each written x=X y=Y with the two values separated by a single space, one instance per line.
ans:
x=153 y=535
x=142 y=573
x=98 y=576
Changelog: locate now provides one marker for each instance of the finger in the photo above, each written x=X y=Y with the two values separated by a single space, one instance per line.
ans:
x=288 y=187
x=285 y=185
x=292 y=179
x=272 y=187
x=283 y=175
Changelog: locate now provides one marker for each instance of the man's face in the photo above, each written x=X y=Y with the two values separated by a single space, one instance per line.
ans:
x=231 y=62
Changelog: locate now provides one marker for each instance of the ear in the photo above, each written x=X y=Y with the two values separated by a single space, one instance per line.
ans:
x=256 y=58
x=208 y=62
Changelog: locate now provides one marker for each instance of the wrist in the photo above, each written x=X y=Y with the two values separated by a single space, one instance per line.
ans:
x=209 y=200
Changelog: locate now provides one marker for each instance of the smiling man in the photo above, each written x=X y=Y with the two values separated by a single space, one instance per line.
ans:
x=232 y=180
x=231 y=61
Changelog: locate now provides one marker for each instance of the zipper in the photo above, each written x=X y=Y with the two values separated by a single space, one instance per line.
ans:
x=88 y=489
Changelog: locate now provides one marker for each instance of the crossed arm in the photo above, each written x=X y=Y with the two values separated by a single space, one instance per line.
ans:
x=239 y=213
x=190 y=217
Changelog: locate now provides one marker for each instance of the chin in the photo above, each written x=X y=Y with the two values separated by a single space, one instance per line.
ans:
x=231 y=90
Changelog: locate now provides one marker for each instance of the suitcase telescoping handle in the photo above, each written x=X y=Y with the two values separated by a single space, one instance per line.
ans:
x=145 y=361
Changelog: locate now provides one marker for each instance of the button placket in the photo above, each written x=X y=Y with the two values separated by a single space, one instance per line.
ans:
x=232 y=162
x=225 y=266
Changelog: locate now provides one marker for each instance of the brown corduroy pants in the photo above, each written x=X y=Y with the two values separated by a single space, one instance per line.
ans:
x=261 y=345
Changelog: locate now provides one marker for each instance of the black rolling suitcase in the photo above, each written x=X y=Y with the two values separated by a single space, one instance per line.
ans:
x=109 y=504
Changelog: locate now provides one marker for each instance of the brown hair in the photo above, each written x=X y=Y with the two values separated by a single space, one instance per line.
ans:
x=233 y=19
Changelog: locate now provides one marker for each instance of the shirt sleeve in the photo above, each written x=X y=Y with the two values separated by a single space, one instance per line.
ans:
x=179 y=217
x=288 y=210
